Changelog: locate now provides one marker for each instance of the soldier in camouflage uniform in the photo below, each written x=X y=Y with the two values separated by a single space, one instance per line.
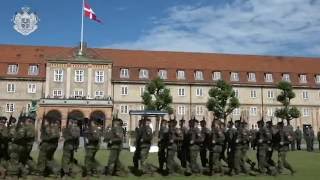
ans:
x=136 y=154
x=230 y=136
x=203 y=147
x=115 y=139
x=283 y=140
x=175 y=136
x=92 y=141
x=162 y=144
x=298 y=135
x=182 y=145
x=4 y=138
x=145 y=141
x=215 y=144
x=270 y=132
x=71 y=135
x=238 y=141
x=30 y=134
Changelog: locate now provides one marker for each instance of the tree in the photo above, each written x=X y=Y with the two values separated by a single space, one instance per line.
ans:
x=222 y=100
x=287 y=112
x=157 y=96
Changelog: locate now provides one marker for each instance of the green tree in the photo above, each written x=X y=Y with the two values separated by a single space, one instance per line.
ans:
x=287 y=112
x=222 y=100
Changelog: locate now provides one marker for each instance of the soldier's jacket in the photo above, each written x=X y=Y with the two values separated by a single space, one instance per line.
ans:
x=92 y=137
x=115 y=138
x=205 y=133
x=145 y=136
x=298 y=134
x=50 y=134
x=216 y=140
x=195 y=138
x=283 y=138
x=244 y=135
x=30 y=134
x=264 y=137
x=71 y=137
x=230 y=138
x=163 y=137
x=17 y=135
x=175 y=136
x=4 y=136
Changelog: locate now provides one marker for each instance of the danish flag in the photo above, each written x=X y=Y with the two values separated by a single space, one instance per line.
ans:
x=88 y=12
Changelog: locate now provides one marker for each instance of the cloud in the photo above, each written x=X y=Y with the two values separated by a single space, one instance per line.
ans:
x=272 y=27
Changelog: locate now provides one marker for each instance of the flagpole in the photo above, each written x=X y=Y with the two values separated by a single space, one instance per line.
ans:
x=81 y=41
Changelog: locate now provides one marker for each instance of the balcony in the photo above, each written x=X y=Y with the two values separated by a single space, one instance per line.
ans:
x=77 y=102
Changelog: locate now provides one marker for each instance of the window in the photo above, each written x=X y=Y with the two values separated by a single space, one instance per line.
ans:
x=253 y=94
x=252 y=77
x=28 y=106
x=199 y=110
x=12 y=69
x=306 y=112
x=124 y=109
x=10 y=107
x=305 y=95
x=141 y=107
x=57 y=93
x=253 y=111
x=303 y=78
x=124 y=73
x=286 y=77
x=268 y=77
x=142 y=89
x=11 y=88
x=199 y=92
x=143 y=74
x=32 y=88
x=79 y=75
x=162 y=74
x=236 y=111
x=270 y=112
x=180 y=74
x=236 y=93
x=124 y=90
x=78 y=93
x=216 y=76
x=33 y=70
x=181 y=110
x=198 y=75
x=99 y=94
x=99 y=76
x=234 y=76
x=58 y=75
x=181 y=92
x=318 y=78
x=270 y=94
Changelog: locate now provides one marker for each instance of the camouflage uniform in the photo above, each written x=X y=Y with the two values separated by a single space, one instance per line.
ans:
x=298 y=135
x=175 y=136
x=4 y=137
x=162 y=144
x=145 y=144
x=136 y=154
x=216 y=141
x=182 y=145
x=203 y=147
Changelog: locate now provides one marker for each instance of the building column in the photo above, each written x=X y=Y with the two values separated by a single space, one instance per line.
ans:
x=68 y=81
x=89 y=89
x=47 y=87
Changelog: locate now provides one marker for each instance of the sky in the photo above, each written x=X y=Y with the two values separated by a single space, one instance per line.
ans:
x=258 y=27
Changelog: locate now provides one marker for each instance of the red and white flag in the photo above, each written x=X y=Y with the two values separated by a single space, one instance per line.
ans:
x=88 y=12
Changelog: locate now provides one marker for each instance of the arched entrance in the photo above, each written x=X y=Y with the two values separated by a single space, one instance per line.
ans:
x=54 y=115
x=98 y=116
x=79 y=116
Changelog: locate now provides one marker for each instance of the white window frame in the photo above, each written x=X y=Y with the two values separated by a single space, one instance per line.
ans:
x=58 y=75
x=199 y=110
x=162 y=74
x=303 y=78
x=305 y=95
x=199 y=92
x=32 y=88
x=28 y=106
x=181 y=110
x=253 y=94
x=268 y=77
x=317 y=79
x=252 y=77
x=234 y=76
x=270 y=94
x=99 y=76
x=270 y=112
x=124 y=73
x=144 y=74
x=306 y=112
x=78 y=93
x=253 y=111
x=99 y=94
x=236 y=93
x=124 y=109
x=236 y=111
x=57 y=93
x=10 y=107
x=198 y=75
x=181 y=74
x=142 y=89
x=13 y=69
x=182 y=92
x=11 y=88
x=141 y=107
x=33 y=70
x=286 y=77
x=124 y=90
x=79 y=75
x=216 y=75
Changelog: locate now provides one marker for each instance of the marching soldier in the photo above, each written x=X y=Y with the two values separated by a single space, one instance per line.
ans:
x=298 y=135
x=71 y=135
x=253 y=133
x=29 y=139
x=162 y=144
x=145 y=141
x=92 y=141
x=114 y=140
x=216 y=141
x=175 y=136
x=203 y=147
x=183 y=145
x=136 y=155
x=270 y=132
x=4 y=138
x=238 y=142
x=230 y=144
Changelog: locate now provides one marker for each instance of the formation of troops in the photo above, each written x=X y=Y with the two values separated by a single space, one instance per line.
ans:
x=222 y=149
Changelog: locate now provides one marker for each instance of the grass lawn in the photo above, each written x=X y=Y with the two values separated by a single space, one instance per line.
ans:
x=305 y=163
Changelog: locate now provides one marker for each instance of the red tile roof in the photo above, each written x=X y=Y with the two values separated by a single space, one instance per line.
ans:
x=171 y=61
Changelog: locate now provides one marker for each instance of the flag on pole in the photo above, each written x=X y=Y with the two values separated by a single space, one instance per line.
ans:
x=88 y=12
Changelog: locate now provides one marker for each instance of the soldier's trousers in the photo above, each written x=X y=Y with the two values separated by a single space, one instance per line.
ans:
x=193 y=163
x=114 y=163
x=144 y=153
x=182 y=155
x=237 y=159
x=136 y=157
x=162 y=156
x=293 y=145
x=172 y=165
x=298 y=144
x=269 y=156
x=67 y=160
x=263 y=165
x=214 y=162
x=203 y=156
x=282 y=161
x=90 y=161
x=46 y=162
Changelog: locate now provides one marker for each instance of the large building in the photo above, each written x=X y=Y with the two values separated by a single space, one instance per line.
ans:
x=107 y=81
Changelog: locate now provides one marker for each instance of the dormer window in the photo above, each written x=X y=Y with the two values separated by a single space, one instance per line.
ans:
x=303 y=78
x=143 y=74
x=216 y=76
x=198 y=75
x=33 y=70
x=12 y=69
x=286 y=77
x=268 y=77
x=317 y=78
x=181 y=74
x=162 y=74
x=252 y=77
x=234 y=76
x=124 y=73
